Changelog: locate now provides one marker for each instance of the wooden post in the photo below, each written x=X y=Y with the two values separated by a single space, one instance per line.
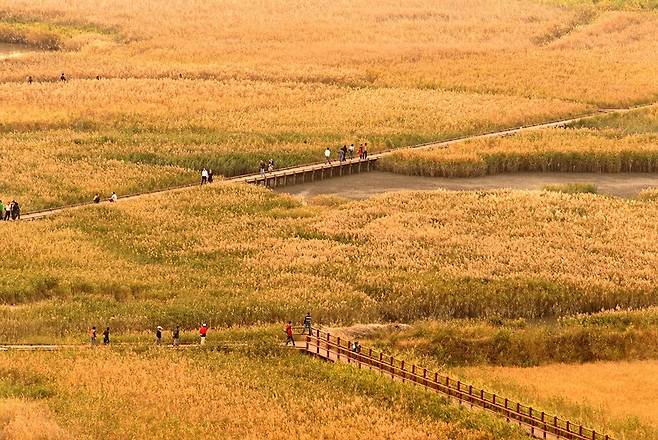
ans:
x=328 y=345
x=317 y=340
x=370 y=358
x=338 y=349
x=392 y=369
x=402 y=368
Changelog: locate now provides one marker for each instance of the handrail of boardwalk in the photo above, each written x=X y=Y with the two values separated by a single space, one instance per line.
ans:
x=329 y=347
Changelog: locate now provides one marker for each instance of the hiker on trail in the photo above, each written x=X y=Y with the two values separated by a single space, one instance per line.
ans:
x=202 y=333
x=261 y=168
x=289 y=337
x=341 y=154
x=307 y=323
x=7 y=215
x=106 y=336
x=62 y=77
x=270 y=166
x=98 y=77
x=210 y=176
x=176 y=336
x=350 y=151
x=360 y=152
x=327 y=155
x=158 y=335
x=92 y=336
x=356 y=347
x=15 y=210
x=204 y=176
x=113 y=197
x=29 y=79
x=365 y=151
x=97 y=198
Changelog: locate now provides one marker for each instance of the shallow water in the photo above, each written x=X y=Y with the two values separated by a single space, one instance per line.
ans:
x=364 y=185
x=10 y=50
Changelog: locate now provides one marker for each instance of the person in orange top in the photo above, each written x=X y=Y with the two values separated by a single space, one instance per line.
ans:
x=289 y=334
x=202 y=332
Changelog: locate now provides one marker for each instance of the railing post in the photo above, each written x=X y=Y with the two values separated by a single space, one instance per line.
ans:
x=317 y=341
x=308 y=339
x=338 y=349
x=392 y=369
x=425 y=377
x=593 y=435
x=568 y=426
x=328 y=341
x=349 y=350
x=402 y=368
x=370 y=358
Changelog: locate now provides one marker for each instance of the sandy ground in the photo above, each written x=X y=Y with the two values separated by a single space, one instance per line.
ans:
x=361 y=186
x=12 y=50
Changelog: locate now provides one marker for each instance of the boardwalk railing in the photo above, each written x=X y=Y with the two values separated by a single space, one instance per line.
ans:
x=539 y=423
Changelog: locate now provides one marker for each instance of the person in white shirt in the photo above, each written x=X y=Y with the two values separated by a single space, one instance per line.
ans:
x=204 y=176
x=113 y=197
x=327 y=155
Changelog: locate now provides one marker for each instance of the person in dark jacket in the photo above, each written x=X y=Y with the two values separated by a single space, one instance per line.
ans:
x=106 y=336
x=158 y=335
x=307 y=323
x=176 y=336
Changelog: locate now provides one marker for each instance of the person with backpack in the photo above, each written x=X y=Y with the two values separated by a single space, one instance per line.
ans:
x=158 y=335
x=106 y=336
x=203 y=331
x=176 y=336
x=307 y=323
x=92 y=336
x=289 y=334
x=327 y=155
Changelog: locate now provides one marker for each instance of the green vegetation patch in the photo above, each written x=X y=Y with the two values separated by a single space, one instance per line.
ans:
x=572 y=188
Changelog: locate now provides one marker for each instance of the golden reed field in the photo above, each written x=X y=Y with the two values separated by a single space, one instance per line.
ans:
x=539 y=295
x=225 y=84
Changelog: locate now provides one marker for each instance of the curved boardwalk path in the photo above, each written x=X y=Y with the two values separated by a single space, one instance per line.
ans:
x=313 y=172
x=538 y=424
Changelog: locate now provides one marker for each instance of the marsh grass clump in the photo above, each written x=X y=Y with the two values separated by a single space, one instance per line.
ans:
x=572 y=188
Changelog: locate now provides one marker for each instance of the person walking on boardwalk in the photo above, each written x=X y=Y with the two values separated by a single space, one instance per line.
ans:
x=360 y=152
x=203 y=331
x=270 y=166
x=15 y=210
x=307 y=323
x=365 y=151
x=8 y=211
x=350 y=151
x=176 y=336
x=327 y=155
x=204 y=176
x=158 y=335
x=341 y=153
x=261 y=168
x=106 y=336
x=92 y=336
x=289 y=335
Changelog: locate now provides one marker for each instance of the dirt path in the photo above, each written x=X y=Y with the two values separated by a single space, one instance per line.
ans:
x=362 y=186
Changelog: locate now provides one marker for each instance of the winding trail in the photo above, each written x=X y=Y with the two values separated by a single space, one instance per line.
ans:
x=254 y=178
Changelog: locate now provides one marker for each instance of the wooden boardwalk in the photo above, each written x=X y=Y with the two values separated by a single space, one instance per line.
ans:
x=537 y=423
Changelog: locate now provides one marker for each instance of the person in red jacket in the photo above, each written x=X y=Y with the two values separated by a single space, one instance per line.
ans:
x=289 y=334
x=202 y=332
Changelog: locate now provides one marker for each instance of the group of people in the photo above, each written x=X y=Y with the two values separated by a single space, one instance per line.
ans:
x=206 y=176
x=62 y=78
x=112 y=198
x=290 y=337
x=347 y=152
x=11 y=211
x=175 y=335
x=269 y=167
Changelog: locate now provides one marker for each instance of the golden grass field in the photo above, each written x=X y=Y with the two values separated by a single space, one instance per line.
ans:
x=239 y=255
x=617 y=396
x=158 y=90
x=163 y=393
x=225 y=84
x=612 y=144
